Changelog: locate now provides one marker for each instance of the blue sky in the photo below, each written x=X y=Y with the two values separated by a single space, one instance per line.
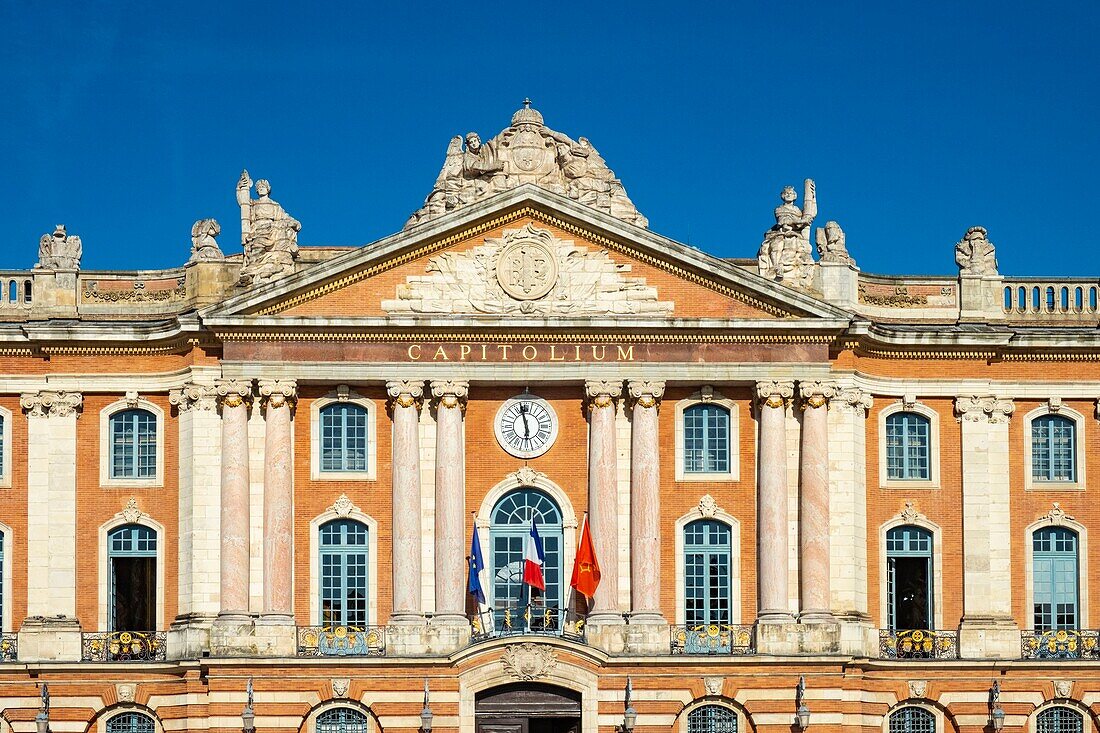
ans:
x=128 y=121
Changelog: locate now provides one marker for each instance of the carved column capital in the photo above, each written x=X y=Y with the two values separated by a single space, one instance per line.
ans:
x=233 y=392
x=450 y=394
x=50 y=403
x=405 y=393
x=852 y=399
x=984 y=409
x=773 y=393
x=276 y=393
x=646 y=393
x=192 y=395
x=813 y=395
x=601 y=393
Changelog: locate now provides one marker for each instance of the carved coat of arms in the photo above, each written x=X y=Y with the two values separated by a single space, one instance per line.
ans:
x=528 y=661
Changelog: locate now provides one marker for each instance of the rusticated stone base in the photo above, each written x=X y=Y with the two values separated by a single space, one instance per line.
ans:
x=189 y=637
x=989 y=638
x=445 y=635
x=646 y=635
x=49 y=639
x=785 y=638
x=408 y=639
x=607 y=632
x=234 y=637
x=858 y=638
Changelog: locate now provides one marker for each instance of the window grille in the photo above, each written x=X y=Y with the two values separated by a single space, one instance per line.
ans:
x=131 y=723
x=706 y=439
x=712 y=719
x=912 y=720
x=341 y=720
x=908 y=447
x=1059 y=720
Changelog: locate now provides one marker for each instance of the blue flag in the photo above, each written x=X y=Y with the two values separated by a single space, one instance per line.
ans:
x=477 y=562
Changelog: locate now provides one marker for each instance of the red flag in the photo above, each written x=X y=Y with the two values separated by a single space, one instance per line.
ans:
x=586 y=568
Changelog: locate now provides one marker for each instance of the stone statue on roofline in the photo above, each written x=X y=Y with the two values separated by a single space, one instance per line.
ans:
x=204 y=245
x=59 y=250
x=831 y=245
x=527 y=151
x=975 y=254
x=785 y=255
x=269 y=235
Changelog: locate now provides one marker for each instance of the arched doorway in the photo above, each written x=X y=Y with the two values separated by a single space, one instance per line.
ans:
x=526 y=707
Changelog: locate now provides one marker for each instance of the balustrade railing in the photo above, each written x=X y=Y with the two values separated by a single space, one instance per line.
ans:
x=1060 y=644
x=713 y=639
x=16 y=290
x=918 y=644
x=124 y=646
x=1064 y=300
x=341 y=641
x=9 y=647
x=530 y=619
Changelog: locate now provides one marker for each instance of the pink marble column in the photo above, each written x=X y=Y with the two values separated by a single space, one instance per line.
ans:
x=772 y=401
x=603 y=495
x=450 y=502
x=645 y=502
x=814 y=589
x=278 y=396
x=405 y=409
x=234 y=397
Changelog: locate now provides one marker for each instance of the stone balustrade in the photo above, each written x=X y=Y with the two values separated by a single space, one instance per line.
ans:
x=1066 y=300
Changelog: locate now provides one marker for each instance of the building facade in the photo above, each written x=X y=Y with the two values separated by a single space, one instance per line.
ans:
x=242 y=493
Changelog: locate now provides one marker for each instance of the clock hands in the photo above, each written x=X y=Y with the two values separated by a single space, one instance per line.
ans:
x=526 y=428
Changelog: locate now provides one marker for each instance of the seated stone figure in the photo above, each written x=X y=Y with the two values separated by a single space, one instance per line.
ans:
x=268 y=233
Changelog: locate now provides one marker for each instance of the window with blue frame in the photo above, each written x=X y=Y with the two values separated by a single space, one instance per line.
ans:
x=131 y=723
x=343 y=437
x=706 y=439
x=708 y=557
x=912 y=719
x=133 y=435
x=908 y=447
x=909 y=578
x=1054 y=558
x=132 y=593
x=508 y=533
x=1053 y=449
x=1059 y=720
x=343 y=583
x=341 y=720
x=712 y=719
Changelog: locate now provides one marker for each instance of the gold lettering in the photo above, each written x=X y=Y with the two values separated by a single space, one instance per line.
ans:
x=504 y=351
x=552 y=348
x=415 y=356
x=483 y=348
x=603 y=352
x=440 y=353
x=464 y=351
x=533 y=353
x=577 y=353
x=626 y=354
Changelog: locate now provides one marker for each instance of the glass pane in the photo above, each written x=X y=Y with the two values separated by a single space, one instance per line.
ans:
x=706 y=439
x=344 y=573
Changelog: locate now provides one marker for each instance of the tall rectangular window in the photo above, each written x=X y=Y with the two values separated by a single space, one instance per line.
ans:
x=706 y=439
x=343 y=560
x=133 y=444
x=1053 y=449
x=908 y=447
x=344 y=437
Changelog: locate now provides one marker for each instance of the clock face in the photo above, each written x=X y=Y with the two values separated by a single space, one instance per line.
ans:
x=526 y=426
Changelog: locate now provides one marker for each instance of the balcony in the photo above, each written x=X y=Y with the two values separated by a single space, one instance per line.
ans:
x=9 y=647
x=713 y=639
x=918 y=644
x=1060 y=644
x=123 y=646
x=530 y=619
x=341 y=641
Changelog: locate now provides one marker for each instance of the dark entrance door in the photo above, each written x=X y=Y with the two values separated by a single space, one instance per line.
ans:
x=528 y=708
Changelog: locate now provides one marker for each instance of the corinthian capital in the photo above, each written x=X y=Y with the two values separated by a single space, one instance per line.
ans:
x=276 y=393
x=49 y=403
x=192 y=395
x=646 y=393
x=233 y=392
x=450 y=393
x=813 y=395
x=987 y=408
x=405 y=393
x=773 y=393
x=601 y=393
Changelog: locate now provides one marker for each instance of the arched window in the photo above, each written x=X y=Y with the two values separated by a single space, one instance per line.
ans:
x=341 y=720
x=344 y=437
x=1059 y=720
x=1053 y=449
x=912 y=720
x=343 y=562
x=706 y=439
x=1054 y=555
x=132 y=594
x=707 y=560
x=908 y=447
x=909 y=578
x=712 y=719
x=133 y=444
x=508 y=533
x=131 y=723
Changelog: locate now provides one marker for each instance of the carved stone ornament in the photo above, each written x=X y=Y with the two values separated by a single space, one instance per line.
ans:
x=1056 y=516
x=908 y=401
x=713 y=685
x=601 y=393
x=527 y=271
x=984 y=409
x=831 y=245
x=131 y=398
x=975 y=254
x=773 y=393
x=526 y=476
x=451 y=394
x=131 y=513
x=1063 y=688
x=233 y=392
x=527 y=661
x=853 y=399
x=525 y=152
x=343 y=506
x=646 y=393
x=125 y=691
x=910 y=514
x=277 y=393
x=59 y=250
x=191 y=395
x=48 y=403
x=405 y=393
x=708 y=507
x=918 y=689
x=204 y=246
x=269 y=235
x=340 y=686
x=815 y=394
x=785 y=254
x=1054 y=404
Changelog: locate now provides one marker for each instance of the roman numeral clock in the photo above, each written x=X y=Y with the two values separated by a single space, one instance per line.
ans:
x=526 y=426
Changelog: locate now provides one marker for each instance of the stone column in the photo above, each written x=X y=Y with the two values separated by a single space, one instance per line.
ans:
x=815 y=577
x=603 y=497
x=235 y=396
x=405 y=398
x=645 y=501
x=278 y=397
x=450 y=502
x=988 y=629
x=51 y=631
x=773 y=516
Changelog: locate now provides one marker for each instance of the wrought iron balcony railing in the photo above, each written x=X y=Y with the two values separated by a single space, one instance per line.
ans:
x=341 y=641
x=1060 y=644
x=530 y=619
x=124 y=646
x=9 y=647
x=713 y=639
x=918 y=644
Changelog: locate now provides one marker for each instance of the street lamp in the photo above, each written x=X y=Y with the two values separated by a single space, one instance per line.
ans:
x=426 y=714
x=996 y=712
x=802 y=712
x=248 y=715
x=630 y=715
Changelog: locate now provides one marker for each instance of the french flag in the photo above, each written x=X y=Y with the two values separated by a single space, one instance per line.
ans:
x=533 y=560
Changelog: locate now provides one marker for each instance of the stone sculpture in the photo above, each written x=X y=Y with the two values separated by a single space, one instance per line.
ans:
x=975 y=254
x=59 y=250
x=831 y=246
x=526 y=152
x=269 y=234
x=204 y=246
x=785 y=254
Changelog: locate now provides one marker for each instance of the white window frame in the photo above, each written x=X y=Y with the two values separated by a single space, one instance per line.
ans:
x=347 y=512
x=937 y=713
x=743 y=724
x=735 y=560
x=9 y=550
x=933 y=480
x=105 y=566
x=5 y=441
x=709 y=396
x=343 y=394
x=1030 y=484
x=130 y=402
x=937 y=565
x=1087 y=722
x=1082 y=568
